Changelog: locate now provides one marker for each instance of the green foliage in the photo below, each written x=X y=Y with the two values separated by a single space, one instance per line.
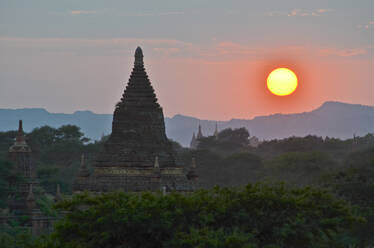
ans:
x=12 y=235
x=44 y=137
x=239 y=169
x=8 y=178
x=338 y=149
x=255 y=216
x=228 y=141
x=6 y=140
x=356 y=184
x=57 y=152
x=211 y=238
x=46 y=203
x=346 y=167
x=300 y=168
x=238 y=136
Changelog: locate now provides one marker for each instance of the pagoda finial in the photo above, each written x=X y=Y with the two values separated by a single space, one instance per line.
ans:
x=216 y=131
x=20 y=136
x=193 y=141
x=199 y=133
x=138 y=57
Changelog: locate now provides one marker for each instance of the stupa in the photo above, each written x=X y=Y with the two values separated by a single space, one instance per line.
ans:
x=21 y=199
x=137 y=156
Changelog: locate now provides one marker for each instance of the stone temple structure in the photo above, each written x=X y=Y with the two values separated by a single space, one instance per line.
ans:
x=195 y=139
x=21 y=199
x=137 y=156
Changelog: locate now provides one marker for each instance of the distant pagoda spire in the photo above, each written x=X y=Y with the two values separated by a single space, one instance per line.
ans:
x=83 y=171
x=193 y=141
x=20 y=154
x=199 y=133
x=20 y=143
x=81 y=181
x=216 y=131
x=139 y=57
x=20 y=138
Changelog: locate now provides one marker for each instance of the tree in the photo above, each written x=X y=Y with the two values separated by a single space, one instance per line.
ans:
x=300 y=168
x=355 y=183
x=57 y=153
x=41 y=138
x=8 y=178
x=237 y=136
x=70 y=133
x=255 y=216
x=228 y=141
x=6 y=140
x=239 y=169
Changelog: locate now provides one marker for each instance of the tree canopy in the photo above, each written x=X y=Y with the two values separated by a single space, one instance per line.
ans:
x=255 y=216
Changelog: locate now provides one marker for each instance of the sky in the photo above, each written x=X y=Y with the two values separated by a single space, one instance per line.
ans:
x=205 y=58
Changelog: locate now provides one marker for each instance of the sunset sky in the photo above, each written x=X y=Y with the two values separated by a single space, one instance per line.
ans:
x=207 y=59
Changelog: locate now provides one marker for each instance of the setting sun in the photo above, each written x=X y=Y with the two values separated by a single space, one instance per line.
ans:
x=282 y=82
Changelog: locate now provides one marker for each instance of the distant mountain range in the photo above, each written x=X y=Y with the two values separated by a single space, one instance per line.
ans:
x=333 y=119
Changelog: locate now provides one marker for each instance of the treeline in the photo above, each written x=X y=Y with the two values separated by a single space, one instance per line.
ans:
x=345 y=168
x=229 y=159
x=56 y=153
x=255 y=216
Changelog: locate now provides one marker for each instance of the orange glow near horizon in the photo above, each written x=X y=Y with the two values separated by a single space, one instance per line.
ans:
x=282 y=82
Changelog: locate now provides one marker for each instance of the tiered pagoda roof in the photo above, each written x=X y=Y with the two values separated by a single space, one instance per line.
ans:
x=137 y=143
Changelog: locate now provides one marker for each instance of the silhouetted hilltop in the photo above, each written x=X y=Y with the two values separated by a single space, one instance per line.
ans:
x=93 y=125
x=333 y=119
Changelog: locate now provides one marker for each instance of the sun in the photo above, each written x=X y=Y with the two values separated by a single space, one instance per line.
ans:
x=282 y=82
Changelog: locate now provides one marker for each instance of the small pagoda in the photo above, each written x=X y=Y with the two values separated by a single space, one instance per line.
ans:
x=21 y=198
x=137 y=156
x=21 y=156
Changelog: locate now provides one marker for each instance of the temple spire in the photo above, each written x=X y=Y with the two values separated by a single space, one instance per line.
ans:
x=138 y=57
x=83 y=171
x=20 y=138
x=20 y=143
x=216 y=131
x=193 y=141
x=200 y=133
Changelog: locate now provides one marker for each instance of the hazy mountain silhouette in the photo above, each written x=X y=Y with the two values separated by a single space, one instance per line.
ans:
x=333 y=119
